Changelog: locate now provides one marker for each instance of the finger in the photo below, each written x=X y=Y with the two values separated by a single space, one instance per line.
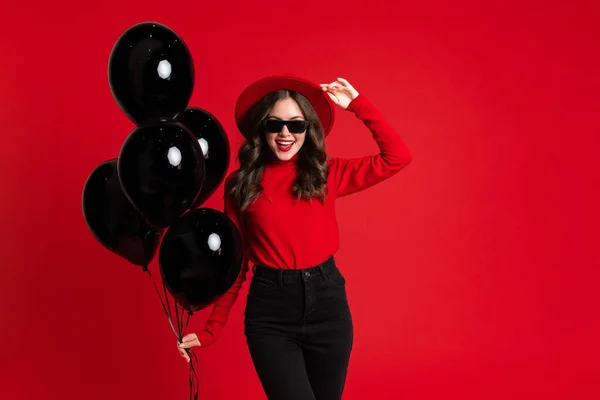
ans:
x=189 y=337
x=189 y=345
x=343 y=81
x=333 y=98
x=183 y=353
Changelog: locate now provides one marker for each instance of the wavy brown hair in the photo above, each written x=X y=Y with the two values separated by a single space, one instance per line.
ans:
x=311 y=162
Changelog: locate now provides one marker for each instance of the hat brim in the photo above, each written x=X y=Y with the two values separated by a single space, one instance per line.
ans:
x=318 y=98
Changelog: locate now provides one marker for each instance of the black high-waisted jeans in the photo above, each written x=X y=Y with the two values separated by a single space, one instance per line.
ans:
x=299 y=331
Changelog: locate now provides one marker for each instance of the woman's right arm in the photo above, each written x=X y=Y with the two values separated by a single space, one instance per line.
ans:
x=221 y=308
x=217 y=319
x=220 y=312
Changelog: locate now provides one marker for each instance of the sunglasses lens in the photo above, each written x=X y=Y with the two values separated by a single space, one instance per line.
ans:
x=297 y=126
x=273 y=125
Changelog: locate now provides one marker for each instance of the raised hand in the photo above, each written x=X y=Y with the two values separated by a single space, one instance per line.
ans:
x=340 y=92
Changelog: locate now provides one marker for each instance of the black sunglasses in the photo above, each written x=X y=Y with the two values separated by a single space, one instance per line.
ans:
x=276 y=125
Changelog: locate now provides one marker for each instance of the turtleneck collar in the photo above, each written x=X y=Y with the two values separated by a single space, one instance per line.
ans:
x=273 y=161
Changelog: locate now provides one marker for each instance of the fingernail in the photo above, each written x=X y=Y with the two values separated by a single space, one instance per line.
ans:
x=181 y=345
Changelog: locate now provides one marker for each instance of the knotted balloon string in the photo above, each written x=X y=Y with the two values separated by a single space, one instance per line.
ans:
x=182 y=324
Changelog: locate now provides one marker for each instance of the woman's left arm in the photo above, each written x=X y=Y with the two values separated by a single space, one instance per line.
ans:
x=356 y=174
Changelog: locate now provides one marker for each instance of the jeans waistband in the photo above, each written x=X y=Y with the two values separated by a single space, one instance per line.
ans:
x=279 y=274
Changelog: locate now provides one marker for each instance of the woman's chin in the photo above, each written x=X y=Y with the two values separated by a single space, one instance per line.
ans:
x=284 y=155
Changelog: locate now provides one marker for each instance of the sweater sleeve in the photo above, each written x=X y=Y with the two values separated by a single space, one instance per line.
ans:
x=356 y=174
x=221 y=308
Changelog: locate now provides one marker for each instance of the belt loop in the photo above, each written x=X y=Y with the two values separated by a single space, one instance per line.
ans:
x=280 y=277
x=322 y=271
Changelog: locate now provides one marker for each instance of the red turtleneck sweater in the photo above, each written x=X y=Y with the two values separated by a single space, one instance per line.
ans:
x=281 y=232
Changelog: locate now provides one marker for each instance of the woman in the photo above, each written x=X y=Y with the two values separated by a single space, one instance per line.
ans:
x=298 y=325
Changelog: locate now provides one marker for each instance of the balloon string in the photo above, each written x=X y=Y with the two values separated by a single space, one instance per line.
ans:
x=167 y=312
x=169 y=308
x=187 y=320
x=182 y=324
x=194 y=385
x=179 y=327
x=181 y=319
x=177 y=320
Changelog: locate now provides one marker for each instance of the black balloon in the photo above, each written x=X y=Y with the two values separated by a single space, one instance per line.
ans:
x=151 y=73
x=215 y=147
x=200 y=257
x=113 y=220
x=161 y=169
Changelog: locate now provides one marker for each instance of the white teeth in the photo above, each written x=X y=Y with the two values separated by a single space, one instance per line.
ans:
x=284 y=143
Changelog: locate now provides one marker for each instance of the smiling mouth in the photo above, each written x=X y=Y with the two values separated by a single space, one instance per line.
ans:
x=284 y=143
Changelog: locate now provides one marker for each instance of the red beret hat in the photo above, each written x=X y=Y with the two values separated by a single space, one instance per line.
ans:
x=319 y=99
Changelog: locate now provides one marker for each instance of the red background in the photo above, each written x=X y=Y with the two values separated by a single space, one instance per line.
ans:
x=472 y=274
